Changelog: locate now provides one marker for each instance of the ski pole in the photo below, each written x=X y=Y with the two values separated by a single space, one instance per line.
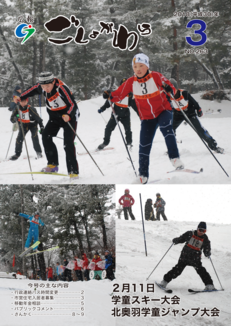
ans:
x=9 y=144
x=122 y=135
x=143 y=226
x=160 y=261
x=25 y=143
x=191 y=125
x=103 y=119
x=84 y=146
x=216 y=273
x=62 y=138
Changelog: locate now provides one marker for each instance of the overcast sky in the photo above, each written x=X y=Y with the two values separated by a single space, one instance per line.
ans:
x=209 y=203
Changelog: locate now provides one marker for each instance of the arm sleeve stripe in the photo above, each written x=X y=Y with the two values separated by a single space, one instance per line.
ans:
x=69 y=99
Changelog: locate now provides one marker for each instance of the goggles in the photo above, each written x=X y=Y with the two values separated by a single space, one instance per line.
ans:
x=202 y=230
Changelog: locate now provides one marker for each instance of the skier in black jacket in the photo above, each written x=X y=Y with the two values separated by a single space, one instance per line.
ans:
x=196 y=241
x=123 y=115
x=192 y=109
x=29 y=118
x=62 y=109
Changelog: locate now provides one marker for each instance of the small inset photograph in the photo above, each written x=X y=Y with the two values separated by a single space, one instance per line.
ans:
x=173 y=254
x=57 y=253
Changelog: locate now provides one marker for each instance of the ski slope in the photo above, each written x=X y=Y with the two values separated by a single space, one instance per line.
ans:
x=134 y=267
x=97 y=305
x=114 y=164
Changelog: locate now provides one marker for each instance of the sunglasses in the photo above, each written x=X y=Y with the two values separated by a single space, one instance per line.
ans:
x=202 y=230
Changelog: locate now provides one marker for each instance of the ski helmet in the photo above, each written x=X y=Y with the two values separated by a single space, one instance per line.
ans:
x=123 y=80
x=126 y=190
x=36 y=213
x=158 y=194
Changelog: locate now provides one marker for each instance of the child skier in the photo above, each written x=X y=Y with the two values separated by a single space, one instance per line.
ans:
x=192 y=109
x=29 y=118
x=127 y=201
x=154 y=108
x=34 y=221
x=122 y=113
x=62 y=108
x=196 y=241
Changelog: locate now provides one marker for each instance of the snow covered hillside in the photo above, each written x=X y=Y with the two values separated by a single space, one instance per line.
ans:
x=97 y=305
x=134 y=267
x=114 y=163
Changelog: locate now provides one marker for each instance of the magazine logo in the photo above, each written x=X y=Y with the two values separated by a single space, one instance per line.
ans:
x=24 y=31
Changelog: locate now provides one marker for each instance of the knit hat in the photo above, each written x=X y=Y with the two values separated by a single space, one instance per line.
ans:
x=141 y=58
x=202 y=225
x=46 y=77
x=174 y=82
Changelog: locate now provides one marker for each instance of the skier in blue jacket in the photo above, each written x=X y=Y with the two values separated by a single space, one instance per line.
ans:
x=108 y=266
x=34 y=221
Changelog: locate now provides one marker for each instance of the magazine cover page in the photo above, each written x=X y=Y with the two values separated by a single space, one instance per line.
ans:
x=105 y=104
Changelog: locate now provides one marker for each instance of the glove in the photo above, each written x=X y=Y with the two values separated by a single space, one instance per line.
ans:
x=175 y=241
x=207 y=254
x=168 y=88
x=100 y=111
x=199 y=113
x=107 y=94
x=13 y=119
x=41 y=129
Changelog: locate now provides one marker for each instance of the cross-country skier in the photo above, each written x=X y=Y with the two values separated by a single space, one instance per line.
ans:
x=149 y=211
x=154 y=109
x=122 y=113
x=34 y=221
x=127 y=201
x=159 y=205
x=29 y=118
x=62 y=108
x=195 y=242
x=192 y=109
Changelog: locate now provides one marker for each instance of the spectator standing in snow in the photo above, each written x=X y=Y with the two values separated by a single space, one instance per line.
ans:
x=159 y=205
x=149 y=211
x=127 y=201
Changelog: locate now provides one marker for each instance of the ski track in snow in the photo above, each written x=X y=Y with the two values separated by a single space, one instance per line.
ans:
x=114 y=164
x=134 y=267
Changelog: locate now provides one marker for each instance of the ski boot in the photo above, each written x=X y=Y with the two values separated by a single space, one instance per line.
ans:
x=140 y=180
x=129 y=147
x=163 y=283
x=39 y=155
x=219 y=150
x=176 y=162
x=73 y=176
x=209 y=287
x=14 y=157
x=50 y=168
x=100 y=147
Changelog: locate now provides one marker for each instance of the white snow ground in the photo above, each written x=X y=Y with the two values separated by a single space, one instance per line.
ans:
x=97 y=305
x=114 y=164
x=134 y=267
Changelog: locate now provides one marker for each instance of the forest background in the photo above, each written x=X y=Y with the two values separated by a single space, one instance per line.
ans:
x=78 y=219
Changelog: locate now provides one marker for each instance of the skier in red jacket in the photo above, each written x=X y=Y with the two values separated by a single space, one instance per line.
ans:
x=127 y=201
x=95 y=260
